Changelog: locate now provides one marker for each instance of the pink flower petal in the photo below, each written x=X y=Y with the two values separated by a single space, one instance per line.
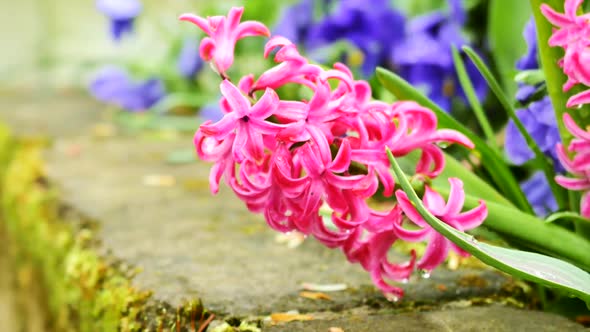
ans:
x=456 y=198
x=472 y=218
x=433 y=201
x=573 y=183
x=266 y=105
x=409 y=209
x=342 y=160
x=202 y=23
x=437 y=251
x=236 y=100
x=554 y=17
x=252 y=28
x=581 y=98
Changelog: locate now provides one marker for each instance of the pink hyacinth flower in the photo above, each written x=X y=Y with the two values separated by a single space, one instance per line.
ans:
x=579 y=165
x=449 y=212
x=246 y=121
x=573 y=35
x=325 y=182
x=371 y=253
x=224 y=32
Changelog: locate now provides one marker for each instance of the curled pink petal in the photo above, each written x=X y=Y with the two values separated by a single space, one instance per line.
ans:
x=436 y=252
x=581 y=98
x=456 y=198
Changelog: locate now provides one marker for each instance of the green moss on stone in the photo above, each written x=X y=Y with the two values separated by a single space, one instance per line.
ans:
x=84 y=291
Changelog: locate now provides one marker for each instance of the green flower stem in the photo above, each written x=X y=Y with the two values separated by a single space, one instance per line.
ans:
x=541 y=160
x=473 y=100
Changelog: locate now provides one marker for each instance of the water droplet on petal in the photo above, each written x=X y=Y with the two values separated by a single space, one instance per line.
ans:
x=405 y=280
x=424 y=274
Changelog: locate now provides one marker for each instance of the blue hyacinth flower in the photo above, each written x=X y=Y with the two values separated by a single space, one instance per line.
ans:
x=370 y=25
x=425 y=58
x=539 y=194
x=189 y=61
x=539 y=121
x=114 y=85
x=122 y=14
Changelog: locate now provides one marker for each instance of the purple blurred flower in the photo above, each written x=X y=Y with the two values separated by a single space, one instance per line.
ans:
x=189 y=61
x=525 y=92
x=371 y=25
x=295 y=21
x=211 y=111
x=122 y=13
x=114 y=85
x=539 y=194
x=539 y=120
x=425 y=58
x=529 y=60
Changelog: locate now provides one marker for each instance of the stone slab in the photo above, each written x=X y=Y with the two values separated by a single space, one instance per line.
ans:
x=187 y=244
x=470 y=319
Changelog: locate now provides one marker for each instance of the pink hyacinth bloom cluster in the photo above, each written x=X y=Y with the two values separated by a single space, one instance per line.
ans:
x=289 y=159
x=573 y=35
x=579 y=165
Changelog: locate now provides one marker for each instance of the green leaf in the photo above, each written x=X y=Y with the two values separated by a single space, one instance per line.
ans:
x=541 y=161
x=530 y=77
x=472 y=98
x=490 y=158
x=544 y=270
x=566 y=215
x=506 y=19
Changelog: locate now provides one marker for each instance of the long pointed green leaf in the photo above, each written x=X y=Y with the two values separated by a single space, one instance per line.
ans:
x=544 y=270
x=472 y=98
x=541 y=160
x=490 y=158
